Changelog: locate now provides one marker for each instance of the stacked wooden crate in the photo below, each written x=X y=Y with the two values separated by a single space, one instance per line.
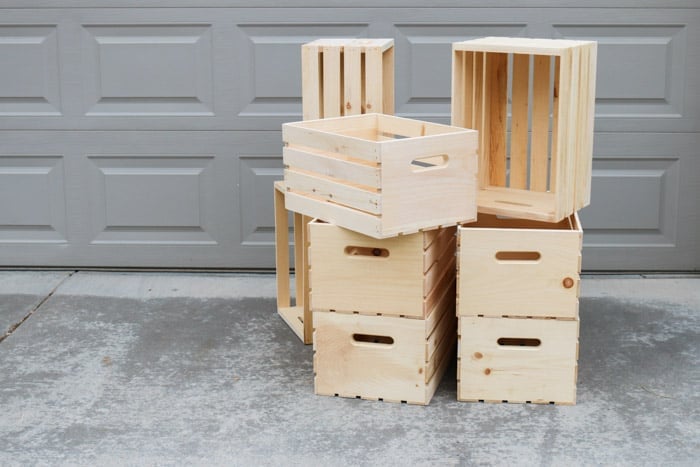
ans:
x=339 y=77
x=519 y=264
x=382 y=264
x=389 y=195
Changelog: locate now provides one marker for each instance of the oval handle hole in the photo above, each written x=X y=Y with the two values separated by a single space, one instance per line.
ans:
x=519 y=342
x=366 y=251
x=422 y=164
x=373 y=339
x=518 y=255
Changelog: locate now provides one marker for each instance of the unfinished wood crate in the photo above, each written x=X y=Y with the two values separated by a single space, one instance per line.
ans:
x=401 y=276
x=380 y=175
x=517 y=360
x=361 y=77
x=514 y=267
x=537 y=164
x=347 y=77
x=383 y=357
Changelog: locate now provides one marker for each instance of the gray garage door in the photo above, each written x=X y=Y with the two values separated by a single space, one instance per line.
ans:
x=146 y=133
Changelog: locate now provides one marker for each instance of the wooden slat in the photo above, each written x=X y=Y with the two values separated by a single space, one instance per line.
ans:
x=333 y=191
x=331 y=82
x=540 y=124
x=304 y=278
x=497 y=65
x=352 y=81
x=282 y=248
x=388 y=82
x=554 y=156
x=519 y=121
x=359 y=173
x=299 y=256
x=311 y=85
x=458 y=89
x=373 y=80
x=481 y=118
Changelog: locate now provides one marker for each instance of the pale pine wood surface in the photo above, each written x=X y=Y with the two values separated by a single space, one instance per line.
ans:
x=546 y=287
x=494 y=373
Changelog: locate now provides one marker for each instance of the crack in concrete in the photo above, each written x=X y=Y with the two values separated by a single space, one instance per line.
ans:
x=15 y=326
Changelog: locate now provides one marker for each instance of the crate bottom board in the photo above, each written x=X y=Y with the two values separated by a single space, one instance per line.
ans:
x=484 y=401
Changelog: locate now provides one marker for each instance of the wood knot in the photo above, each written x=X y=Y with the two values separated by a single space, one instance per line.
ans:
x=487 y=371
x=348 y=106
x=568 y=283
x=478 y=355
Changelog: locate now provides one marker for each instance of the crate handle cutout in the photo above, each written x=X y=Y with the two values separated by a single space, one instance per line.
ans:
x=530 y=256
x=366 y=251
x=422 y=164
x=519 y=342
x=373 y=339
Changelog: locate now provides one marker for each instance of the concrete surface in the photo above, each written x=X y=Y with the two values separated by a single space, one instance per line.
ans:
x=22 y=292
x=197 y=369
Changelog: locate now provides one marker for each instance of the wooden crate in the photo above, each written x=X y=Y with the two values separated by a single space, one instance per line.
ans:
x=537 y=165
x=401 y=276
x=517 y=360
x=347 y=77
x=383 y=357
x=514 y=267
x=380 y=175
x=363 y=88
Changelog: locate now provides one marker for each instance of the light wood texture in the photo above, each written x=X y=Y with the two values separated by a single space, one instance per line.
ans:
x=408 y=368
x=409 y=195
x=332 y=102
x=326 y=61
x=497 y=69
x=489 y=372
x=519 y=121
x=347 y=77
x=518 y=268
x=397 y=281
x=540 y=124
x=560 y=168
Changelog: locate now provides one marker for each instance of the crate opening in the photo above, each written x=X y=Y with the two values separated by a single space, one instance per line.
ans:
x=365 y=251
x=422 y=164
x=373 y=339
x=519 y=342
x=531 y=256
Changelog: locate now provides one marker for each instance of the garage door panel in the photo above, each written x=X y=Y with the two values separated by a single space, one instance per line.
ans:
x=642 y=184
x=30 y=87
x=257 y=176
x=140 y=199
x=152 y=199
x=424 y=61
x=641 y=71
x=33 y=206
x=271 y=56
x=163 y=70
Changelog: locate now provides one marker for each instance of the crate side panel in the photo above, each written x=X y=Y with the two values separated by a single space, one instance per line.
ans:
x=348 y=367
x=493 y=372
x=345 y=281
x=519 y=272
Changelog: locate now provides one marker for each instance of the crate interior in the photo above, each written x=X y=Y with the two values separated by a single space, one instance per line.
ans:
x=492 y=221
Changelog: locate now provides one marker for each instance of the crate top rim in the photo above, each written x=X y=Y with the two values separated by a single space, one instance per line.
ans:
x=521 y=45
x=324 y=126
x=573 y=221
x=363 y=43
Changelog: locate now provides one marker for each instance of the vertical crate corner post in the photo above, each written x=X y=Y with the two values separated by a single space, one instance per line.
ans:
x=339 y=77
x=537 y=163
